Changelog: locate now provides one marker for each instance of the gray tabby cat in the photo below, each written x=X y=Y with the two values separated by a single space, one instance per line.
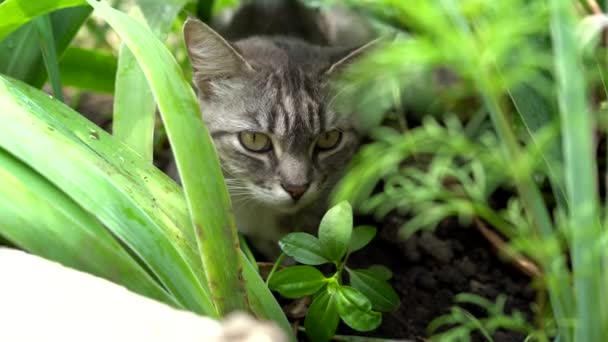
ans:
x=267 y=104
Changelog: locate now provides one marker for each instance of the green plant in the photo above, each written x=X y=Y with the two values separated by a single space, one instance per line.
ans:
x=73 y=193
x=525 y=64
x=462 y=323
x=358 y=304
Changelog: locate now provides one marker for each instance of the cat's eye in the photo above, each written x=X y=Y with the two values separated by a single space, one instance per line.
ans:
x=329 y=140
x=255 y=142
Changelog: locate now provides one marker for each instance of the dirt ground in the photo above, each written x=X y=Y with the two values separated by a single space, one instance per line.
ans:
x=430 y=268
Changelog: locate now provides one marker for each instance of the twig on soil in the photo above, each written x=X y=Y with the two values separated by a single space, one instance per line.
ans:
x=519 y=261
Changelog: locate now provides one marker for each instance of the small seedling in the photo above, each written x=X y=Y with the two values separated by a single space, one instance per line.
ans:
x=358 y=304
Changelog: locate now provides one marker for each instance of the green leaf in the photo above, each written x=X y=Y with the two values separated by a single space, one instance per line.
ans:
x=378 y=291
x=580 y=174
x=361 y=236
x=15 y=13
x=29 y=203
x=134 y=107
x=538 y=113
x=322 y=318
x=380 y=272
x=335 y=231
x=21 y=57
x=297 y=281
x=44 y=27
x=356 y=310
x=93 y=70
x=108 y=180
x=303 y=248
x=207 y=197
x=263 y=304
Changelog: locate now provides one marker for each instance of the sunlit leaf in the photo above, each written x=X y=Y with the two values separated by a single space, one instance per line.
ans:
x=322 y=318
x=297 y=281
x=361 y=236
x=356 y=310
x=15 y=13
x=335 y=231
x=207 y=197
x=303 y=248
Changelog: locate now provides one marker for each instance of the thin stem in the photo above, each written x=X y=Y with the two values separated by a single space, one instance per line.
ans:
x=275 y=266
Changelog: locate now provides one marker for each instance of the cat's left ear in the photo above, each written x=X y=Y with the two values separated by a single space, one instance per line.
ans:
x=344 y=57
x=212 y=57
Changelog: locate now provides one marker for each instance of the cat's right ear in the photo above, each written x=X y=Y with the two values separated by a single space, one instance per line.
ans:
x=211 y=56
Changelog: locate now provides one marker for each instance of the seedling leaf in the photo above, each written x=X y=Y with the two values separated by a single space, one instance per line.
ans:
x=380 y=272
x=378 y=291
x=361 y=236
x=297 y=281
x=322 y=319
x=356 y=310
x=335 y=231
x=303 y=248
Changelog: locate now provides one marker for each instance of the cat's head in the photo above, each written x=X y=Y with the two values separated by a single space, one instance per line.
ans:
x=268 y=108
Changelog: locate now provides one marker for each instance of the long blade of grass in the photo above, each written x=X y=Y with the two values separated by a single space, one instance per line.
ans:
x=44 y=28
x=88 y=69
x=72 y=236
x=20 y=56
x=536 y=112
x=196 y=159
x=580 y=176
x=74 y=155
x=134 y=106
x=262 y=301
x=15 y=13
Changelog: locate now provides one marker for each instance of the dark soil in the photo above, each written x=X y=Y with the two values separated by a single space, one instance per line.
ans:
x=430 y=268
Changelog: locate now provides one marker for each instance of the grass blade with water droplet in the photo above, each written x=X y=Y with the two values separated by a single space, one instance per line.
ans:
x=195 y=155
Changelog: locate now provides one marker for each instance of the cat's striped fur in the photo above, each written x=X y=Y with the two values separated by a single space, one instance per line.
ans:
x=277 y=86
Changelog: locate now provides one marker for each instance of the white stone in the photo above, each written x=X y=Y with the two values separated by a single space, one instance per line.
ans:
x=42 y=300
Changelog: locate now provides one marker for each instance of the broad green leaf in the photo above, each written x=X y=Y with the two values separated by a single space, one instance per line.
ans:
x=361 y=236
x=93 y=70
x=151 y=189
x=15 y=13
x=335 y=231
x=44 y=28
x=262 y=302
x=356 y=310
x=297 y=281
x=21 y=57
x=322 y=318
x=380 y=272
x=108 y=180
x=70 y=235
x=378 y=291
x=134 y=106
x=195 y=155
x=303 y=248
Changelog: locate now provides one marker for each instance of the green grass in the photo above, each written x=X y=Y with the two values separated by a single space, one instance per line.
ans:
x=517 y=115
x=524 y=62
x=135 y=225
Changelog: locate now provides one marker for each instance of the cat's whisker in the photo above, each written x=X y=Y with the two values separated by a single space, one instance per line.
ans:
x=338 y=93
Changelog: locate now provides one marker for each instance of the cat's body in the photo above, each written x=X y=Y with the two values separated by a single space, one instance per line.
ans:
x=266 y=101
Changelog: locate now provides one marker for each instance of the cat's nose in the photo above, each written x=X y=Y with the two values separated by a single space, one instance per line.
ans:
x=295 y=190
